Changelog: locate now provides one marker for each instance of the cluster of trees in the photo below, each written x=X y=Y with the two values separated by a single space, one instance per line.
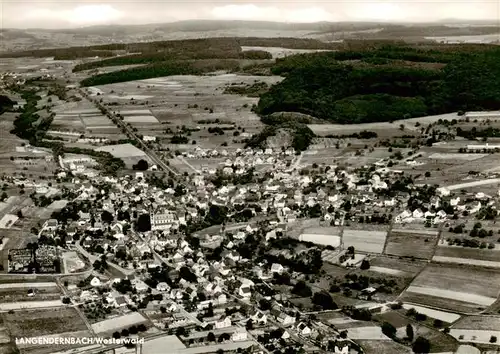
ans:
x=131 y=330
x=321 y=85
x=471 y=243
x=252 y=90
x=5 y=103
x=302 y=136
x=364 y=134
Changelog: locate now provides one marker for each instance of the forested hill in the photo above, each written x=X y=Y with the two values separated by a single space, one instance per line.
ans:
x=386 y=84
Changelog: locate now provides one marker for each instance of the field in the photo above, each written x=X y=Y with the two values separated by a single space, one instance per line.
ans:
x=383 y=346
x=72 y=262
x=32 y=323
x=457 y=254
x=405 y=243
x=367 y=333
x=403 y=267
x=446 y=317
x=364 y=241
x=462 y=287
x=112 y=324
x=478 y=323
x=474 y=335
x=320 y=235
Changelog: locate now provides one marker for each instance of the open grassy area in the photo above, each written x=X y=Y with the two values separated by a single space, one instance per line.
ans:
x=406 y=244
x=43 y=322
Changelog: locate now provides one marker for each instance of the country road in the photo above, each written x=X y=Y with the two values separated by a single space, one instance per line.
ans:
x=151 y=154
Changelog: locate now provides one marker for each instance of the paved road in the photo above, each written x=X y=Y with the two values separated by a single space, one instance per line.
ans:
x=151 y=154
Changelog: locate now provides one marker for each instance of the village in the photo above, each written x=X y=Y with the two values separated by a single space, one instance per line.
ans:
x=162 y=222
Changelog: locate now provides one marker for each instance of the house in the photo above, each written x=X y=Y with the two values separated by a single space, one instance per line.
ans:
x=239 y=335
x=162 y=286
x=285 y=319
x=50 y=225
x=277 y=268
x=342 y=349
x=258 y=317
x=245 y=289
x=95 y=282
x=303 y=329
x=221 y=299
x=223 y=322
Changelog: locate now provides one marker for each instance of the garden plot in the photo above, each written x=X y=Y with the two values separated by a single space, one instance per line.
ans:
x=406 y=243
x=470 y=287
x=365 y=241
x=117 y=323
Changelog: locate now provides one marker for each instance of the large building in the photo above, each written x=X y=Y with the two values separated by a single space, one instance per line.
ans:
x=483 y=115
x=163 y=221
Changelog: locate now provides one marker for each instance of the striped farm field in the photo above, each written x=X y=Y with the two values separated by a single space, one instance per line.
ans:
x=471 y=287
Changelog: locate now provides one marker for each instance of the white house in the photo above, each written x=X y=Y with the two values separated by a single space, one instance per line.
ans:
x=303 y=329
x=239 y=335
x=162 y=286
x=224 y=322
x=277 y=268
x=95 y=282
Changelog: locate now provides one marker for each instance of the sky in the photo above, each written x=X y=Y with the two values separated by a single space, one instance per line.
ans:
x=80 y=13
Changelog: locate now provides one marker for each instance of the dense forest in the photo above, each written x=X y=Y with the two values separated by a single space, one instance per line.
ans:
x=164 y=68
x=191 y=48
x=325 y=86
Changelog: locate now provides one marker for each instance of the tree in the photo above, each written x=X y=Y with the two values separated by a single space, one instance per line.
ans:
x=143 y=223
x=365 y=264
x=249 y=325
x=142 y=165
x=493 y=339
x=211 y=337
x=438 y=323
x=302 y=289
x=124 y=332
x=116 y=335
x=66 y=300
x=388 y=329
x=324 y=299
x=107 y=217
x=421 y=345
x=409 y=332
